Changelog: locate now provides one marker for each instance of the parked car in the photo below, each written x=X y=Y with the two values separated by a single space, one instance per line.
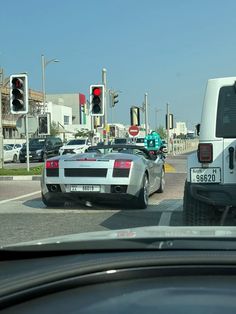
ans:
x=41 y=148
x=111 y=172
x=17 y=147
x=75 y=146
x=211 y=176
x=10 y=154
x=164 y=147
x=140 y=141
x=123 y=140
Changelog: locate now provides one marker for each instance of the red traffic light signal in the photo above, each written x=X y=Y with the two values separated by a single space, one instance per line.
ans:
x=97 y=99
x=96 y=91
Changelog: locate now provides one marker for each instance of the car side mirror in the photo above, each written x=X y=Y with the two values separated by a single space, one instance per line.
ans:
x=152 y=156
x=198 y=128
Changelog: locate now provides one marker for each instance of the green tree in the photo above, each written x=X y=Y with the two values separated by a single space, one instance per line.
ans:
x=162 y=131
x=85 y=133
x=54 y=129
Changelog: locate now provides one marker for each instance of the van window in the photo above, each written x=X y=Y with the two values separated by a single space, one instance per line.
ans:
x=226 y=113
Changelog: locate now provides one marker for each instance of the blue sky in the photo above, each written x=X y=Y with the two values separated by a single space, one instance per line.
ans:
x=166 y=48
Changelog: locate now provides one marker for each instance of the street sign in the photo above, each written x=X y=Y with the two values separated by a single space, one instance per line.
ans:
x=133 y=130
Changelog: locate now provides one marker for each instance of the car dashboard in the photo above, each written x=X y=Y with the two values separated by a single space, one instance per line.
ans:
x=121 y=282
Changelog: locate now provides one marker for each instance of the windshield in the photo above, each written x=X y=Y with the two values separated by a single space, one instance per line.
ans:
x=37 y=143
x=128 y=82
x=120 y=141
x=76 y=142
x=140 y=140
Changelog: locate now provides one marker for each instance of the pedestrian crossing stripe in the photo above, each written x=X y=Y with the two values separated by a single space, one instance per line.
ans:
x=169 y=168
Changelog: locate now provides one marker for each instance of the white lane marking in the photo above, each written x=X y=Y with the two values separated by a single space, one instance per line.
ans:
x=19 y=197
x=166 y=215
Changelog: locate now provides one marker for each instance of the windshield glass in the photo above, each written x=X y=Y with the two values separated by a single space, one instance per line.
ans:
x=129 y=82
x=37 y=143
x=140 y=140
x=76 y=142
x=120 y=141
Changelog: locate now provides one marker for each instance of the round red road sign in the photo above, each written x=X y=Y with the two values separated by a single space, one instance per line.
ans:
x=133 y=130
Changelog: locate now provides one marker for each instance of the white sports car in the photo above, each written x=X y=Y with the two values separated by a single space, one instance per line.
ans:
x=107 y=173
x=75 y=146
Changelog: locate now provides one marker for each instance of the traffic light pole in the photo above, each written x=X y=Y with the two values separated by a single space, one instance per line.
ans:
x=168 y=127
x=27 y=140
x=146 y=113
x=104 y=82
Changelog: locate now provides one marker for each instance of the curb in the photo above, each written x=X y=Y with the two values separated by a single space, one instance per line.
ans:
x=20 y=178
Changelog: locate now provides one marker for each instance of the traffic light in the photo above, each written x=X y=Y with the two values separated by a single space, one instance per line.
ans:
x=171 y=121
x=135 y=116
x=97 y=98
x=19 y=94
x=44 y=124
x=114 y=99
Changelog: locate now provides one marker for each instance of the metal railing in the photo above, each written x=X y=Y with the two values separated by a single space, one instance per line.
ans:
x=178 y=146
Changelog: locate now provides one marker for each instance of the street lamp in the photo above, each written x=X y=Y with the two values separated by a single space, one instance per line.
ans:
x=156 y=111
x=44 y=64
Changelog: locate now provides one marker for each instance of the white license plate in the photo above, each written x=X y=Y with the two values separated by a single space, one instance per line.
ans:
x=205 y=175
x=84 y=188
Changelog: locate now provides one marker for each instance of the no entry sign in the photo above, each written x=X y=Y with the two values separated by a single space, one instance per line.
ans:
x=133 y=130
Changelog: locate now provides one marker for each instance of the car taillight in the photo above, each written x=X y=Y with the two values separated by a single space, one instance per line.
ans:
x=205 y=153
x=121 y=168
x=52 y=164
x=122 y=164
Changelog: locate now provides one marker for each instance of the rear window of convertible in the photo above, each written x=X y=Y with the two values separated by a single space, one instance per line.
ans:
x=226 y=113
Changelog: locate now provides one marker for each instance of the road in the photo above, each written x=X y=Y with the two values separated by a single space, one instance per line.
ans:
x=24 y=217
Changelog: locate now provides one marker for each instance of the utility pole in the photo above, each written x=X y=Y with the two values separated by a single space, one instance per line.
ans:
x=104 y=82
x=168 y=126
x=1 y=129
x=146 y=113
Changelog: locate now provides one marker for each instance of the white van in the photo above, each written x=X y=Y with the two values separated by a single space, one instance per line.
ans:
x=210 y=188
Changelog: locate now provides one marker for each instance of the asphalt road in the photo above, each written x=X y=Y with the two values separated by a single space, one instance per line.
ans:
x=24 y=217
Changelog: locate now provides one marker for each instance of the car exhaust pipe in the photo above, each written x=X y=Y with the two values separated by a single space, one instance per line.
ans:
x=53 y=188
x=117 y=189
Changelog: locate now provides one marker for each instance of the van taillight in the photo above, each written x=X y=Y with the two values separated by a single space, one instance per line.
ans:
x=205 y=153
x=52 y=164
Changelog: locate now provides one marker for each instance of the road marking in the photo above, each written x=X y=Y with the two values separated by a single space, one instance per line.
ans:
x=166 y=215
x=19 y=197
x=169 y=168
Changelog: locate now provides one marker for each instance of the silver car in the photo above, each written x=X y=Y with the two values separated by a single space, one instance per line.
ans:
x=108 y=173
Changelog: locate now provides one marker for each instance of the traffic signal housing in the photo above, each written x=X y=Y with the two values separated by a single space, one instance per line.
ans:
x=135 y=116
x=115 y=99
x=44 y=124
x=97 y=100
x=170 y=123
x=19 y=94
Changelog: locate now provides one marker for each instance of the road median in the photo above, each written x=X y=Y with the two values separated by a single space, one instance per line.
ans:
x=21 y=174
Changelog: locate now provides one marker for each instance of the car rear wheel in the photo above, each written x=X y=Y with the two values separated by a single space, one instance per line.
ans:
x=142 y=200
x=52 y=203
x=195 y=212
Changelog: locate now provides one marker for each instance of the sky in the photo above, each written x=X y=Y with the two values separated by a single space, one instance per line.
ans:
x=168 y=49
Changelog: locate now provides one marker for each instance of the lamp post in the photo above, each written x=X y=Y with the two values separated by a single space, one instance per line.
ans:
x=44 y=64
